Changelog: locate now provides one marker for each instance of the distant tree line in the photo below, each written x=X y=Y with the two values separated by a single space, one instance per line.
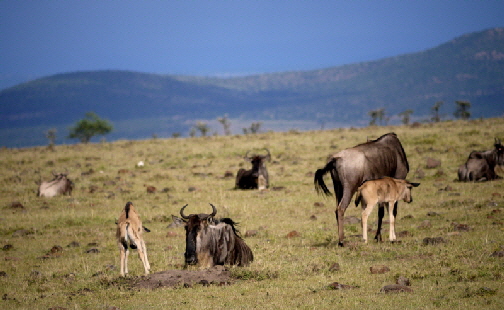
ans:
x=461 y=112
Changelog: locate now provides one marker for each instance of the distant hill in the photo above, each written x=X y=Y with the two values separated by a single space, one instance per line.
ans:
x=469 y=68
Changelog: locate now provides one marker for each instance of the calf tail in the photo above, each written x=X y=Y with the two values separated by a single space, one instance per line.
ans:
x=358 y=197
x=320 y=185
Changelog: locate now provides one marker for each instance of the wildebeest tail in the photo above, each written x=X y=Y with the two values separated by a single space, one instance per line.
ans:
x=319 y=177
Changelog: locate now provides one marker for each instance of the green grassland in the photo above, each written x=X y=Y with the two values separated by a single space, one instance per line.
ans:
x=287 y=272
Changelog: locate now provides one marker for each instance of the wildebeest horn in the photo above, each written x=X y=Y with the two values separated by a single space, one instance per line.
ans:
x=214 y=212
x=246 y=156
x=54 y=173
x=182 y=213
x=497 y=141
x=269 y=154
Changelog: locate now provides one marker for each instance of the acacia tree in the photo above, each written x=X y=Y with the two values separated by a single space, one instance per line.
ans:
x=203 y=128
x=90 y=126
x=226 y=124
x=435 y=111
x=406 y=116
x=462 y=109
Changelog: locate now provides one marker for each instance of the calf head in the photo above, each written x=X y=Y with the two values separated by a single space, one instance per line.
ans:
x=405 y=192
x=195 y=226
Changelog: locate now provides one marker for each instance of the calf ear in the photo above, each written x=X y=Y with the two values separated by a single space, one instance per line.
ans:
x=415 y=184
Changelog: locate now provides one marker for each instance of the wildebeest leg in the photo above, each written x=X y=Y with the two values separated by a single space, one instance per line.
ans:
x=392 y=216
x=381 y=214
x=340 y=215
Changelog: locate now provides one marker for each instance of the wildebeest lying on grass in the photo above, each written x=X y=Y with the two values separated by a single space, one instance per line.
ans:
x=480 y=166
x=349 y=168
x=257 y=177
x=385 y=192
x=211 y=241
x=59 y=185
x=129 y=232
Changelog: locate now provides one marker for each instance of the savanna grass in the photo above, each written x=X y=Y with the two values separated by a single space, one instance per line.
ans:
x=459 y=273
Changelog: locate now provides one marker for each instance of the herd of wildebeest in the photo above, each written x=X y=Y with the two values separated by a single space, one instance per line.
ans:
x=375 y=171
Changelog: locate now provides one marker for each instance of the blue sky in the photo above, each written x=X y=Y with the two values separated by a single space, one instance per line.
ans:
x=224 y=38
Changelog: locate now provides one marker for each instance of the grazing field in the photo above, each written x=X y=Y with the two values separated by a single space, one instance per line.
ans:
x=62 y=252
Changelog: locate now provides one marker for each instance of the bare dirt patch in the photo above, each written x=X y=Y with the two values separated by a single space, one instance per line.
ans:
x=217 y=275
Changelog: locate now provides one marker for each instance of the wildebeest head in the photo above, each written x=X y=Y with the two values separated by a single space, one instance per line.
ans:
x=60 y=184
x=258 y=162
x=211 y=241
x=480 y=165
x=249 y=179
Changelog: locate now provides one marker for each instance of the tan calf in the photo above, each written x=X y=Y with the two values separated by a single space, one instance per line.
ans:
x=129 y=233
x=385 y=192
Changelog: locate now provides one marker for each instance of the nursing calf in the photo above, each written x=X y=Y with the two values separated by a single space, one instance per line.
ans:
x=385 y=192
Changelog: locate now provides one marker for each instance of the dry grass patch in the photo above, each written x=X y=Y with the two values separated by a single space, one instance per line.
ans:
x=290 y=270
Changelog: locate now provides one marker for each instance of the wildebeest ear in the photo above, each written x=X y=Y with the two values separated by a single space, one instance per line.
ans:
x=415 y=184
x=177 y=221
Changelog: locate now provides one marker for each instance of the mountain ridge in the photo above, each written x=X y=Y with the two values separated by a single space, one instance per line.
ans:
x=468 y=68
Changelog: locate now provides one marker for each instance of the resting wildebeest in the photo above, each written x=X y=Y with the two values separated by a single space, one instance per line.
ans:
x=480 y=166
x=129 y=232
x=386 y=192
x=60 y=184
x=211 y=241
x=257 y=177
x=349 y=168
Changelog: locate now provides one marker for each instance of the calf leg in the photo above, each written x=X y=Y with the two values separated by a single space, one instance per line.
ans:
x=392 y=216
x=364 y=219
x=145 y=260
x=381 y=214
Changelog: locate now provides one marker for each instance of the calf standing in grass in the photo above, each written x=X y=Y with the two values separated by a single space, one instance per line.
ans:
x=385 y=192
x=129 y=232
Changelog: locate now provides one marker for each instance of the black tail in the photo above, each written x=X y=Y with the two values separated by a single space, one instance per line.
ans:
x=319 y=178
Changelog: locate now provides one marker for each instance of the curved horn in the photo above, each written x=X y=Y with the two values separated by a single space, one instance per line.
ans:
x=246 y=156
x=182 y=213
x=269 y=154
x=497 y=141
x=214 y=212
x=54 y=173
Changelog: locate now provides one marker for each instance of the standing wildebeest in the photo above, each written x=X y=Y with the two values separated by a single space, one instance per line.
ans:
x=386 y=192
x=129 y=232
x=60 y=184
x=211 y=241
x=349 y=168
x=257 y=177
x=480 y=166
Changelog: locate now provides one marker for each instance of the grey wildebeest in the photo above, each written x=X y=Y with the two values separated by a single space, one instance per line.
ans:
x=59 y=185
x=211 y=241
x=349 y=168
x=257 y=177
x=129 y=233
x=386 y=192
x=480 y=166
